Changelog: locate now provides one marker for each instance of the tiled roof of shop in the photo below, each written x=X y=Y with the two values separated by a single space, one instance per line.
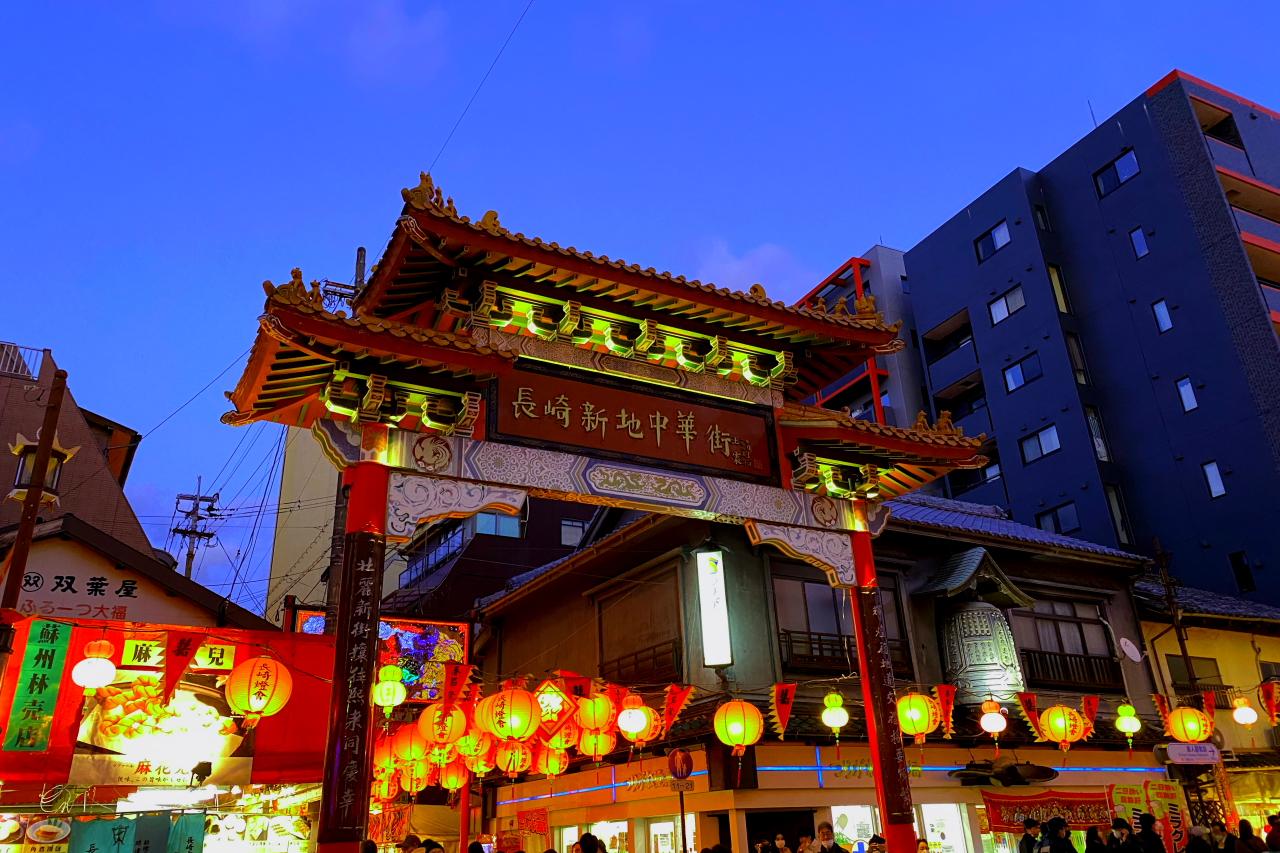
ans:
x=961 y=516
x=1203 y=602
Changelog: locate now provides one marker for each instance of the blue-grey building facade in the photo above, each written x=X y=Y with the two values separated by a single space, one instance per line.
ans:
x=1109 y=322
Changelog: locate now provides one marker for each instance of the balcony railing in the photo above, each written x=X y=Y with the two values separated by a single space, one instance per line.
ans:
x=816 y=652
x=1057 y=670
x=23 y=362
x=435 y=553
x=657 y=663
x=1189 y=695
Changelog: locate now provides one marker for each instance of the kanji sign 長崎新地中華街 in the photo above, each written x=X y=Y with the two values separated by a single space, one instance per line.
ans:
x=644 y=423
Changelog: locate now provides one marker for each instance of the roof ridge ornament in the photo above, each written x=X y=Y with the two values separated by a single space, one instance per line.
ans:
x=295 y=289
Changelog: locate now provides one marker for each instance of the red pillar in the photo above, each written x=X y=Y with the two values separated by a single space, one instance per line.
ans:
x=464 y=818
x=875 y=667
x=344 y=802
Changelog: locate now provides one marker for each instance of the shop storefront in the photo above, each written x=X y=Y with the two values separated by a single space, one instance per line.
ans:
x=631 y=808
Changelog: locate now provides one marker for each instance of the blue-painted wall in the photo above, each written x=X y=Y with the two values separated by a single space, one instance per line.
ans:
x=1222 y=338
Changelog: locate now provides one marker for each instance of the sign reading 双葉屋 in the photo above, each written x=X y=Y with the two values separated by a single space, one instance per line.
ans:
x=36 y=693
x=553 y=410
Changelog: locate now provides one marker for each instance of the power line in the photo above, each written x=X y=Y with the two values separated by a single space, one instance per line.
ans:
x=480 y=86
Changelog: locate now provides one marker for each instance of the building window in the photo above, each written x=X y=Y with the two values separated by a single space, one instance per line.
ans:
x=1039 y=444
x=1116 y=173
x=1094 y=418
x=571 y=531
x=1138 y=238
x=992 y=241
x=1001 y=307
x=498 y=524
x=1060 y=519
x=1270 y=670
x=1059 y=285
x=1213 y=479
x=1118 y=516
x=815 y=607
x=1020 y=373
x=1164 y=321
x=1075 y=350
x=1187 y=394
x=1243 y=573
x=1061 y=627
x=1206 y=670
x=1041 y=214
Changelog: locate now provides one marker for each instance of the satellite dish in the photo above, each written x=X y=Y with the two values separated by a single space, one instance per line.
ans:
x=1129 y=650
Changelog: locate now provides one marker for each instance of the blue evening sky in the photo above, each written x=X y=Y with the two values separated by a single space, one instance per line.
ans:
x=159 y=160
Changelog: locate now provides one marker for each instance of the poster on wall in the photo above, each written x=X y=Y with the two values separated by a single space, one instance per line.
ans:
x=1081 y=810
x=129 y=734
x=1164 y=799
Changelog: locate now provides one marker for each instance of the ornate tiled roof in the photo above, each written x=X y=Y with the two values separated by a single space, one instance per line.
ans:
x=429 y=199
x=940 y=434
x=1203 y=602
x=964 y=517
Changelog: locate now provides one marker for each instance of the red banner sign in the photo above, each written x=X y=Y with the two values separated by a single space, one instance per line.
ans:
x=1081 y=810
x=781 y=700
x=532 y=821
x=632 y=424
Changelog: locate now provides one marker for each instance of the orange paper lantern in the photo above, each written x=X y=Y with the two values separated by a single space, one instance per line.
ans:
x=1063 y=725
x=479 y=764
x=566 y=736
x=383 y=757
x=385 y=789
x=595 y=712
x=408 y=744
x=552 y=762
x=453 y=776
x=473 y=743
x=509 y=714
x=597 y=744
x=257 y=688
x=99 y=649
x=637 y=722
x=1189 y=725
x=442 y=725
x=414 y=776
x=918 y=715
x=441 y=754
x=513 y=757
x=738 y=724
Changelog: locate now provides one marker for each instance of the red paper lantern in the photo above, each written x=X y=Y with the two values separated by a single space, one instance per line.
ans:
x=442 y=725
x=1063 y=725
x=99 y=649
x=480 y=764
x=597 y=744
x=441 y=754
x=383 y=758
x=513 y=757
x=453 y=776
x=258 y=688
x=473 y=743
x=1189 y=725
x=408 y=744
x=509 y=714
x=595 y=712
x=637 y=722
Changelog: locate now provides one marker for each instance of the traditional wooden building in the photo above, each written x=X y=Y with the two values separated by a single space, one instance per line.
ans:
x=481 y=367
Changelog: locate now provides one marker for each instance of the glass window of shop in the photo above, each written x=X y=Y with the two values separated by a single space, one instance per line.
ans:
x=662 y=834
x=944 y=825
x=566 y=837
x=613 y=836
x=854 y=826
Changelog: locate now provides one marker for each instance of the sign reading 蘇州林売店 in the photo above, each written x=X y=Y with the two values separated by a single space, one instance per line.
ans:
x=35 y=695
x=642 y=424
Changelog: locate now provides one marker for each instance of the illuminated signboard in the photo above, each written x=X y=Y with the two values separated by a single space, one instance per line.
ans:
x=714 y=609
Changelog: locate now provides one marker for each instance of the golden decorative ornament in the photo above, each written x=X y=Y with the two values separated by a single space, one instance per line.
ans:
x=738 y=724
x=259 y=687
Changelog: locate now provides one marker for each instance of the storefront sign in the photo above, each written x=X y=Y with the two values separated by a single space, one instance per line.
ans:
x=215 y=656
x=36 y=692
x=636 y=425
x=1080 y=809
x=713 y=607
x=48 y=834
x=1193 y=753
x=81 y=593
x=1127 y=801
x=1164 y=800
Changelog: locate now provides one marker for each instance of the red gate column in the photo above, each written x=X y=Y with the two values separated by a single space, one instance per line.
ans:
x=344 y=804
x=888 y=760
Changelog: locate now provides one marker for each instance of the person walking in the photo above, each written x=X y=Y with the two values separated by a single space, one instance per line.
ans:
x=1249 y=841
x=1273 y=832
x=1093 y=842
x=1121 y=839
x=780 y=843
x=1030 y=836
x=1199 y=841
x=827 y=839
x=1148 y=839
x=1222 y=839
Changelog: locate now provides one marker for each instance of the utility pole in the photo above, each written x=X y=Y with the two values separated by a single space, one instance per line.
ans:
x=1162 y=558
x=193 y=514
x=30 y=509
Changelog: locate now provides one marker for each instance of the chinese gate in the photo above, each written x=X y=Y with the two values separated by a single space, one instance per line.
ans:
x=480 y=367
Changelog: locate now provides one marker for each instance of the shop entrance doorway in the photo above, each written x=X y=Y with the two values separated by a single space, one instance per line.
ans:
x=790 y=824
